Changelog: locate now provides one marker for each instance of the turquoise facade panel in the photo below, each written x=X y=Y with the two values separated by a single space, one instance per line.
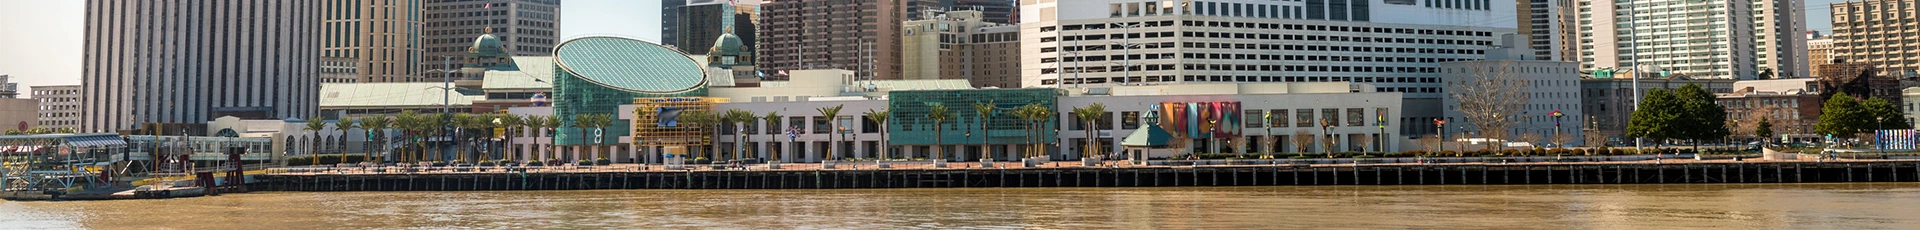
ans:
x=909 y=124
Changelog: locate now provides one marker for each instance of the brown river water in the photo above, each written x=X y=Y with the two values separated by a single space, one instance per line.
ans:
x=1749 y=206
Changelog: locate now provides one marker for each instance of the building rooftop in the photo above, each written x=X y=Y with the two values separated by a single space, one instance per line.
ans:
x=630 y=65
x=388 y=95
x=534 y=73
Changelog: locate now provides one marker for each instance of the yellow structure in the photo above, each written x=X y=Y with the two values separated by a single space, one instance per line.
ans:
x=649 y=131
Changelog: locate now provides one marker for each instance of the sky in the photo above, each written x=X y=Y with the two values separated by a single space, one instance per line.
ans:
x=40 y=41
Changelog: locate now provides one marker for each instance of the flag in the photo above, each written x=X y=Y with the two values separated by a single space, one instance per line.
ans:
x=669 y=116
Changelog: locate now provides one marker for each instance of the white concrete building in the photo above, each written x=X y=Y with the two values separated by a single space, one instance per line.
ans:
x=187 y=62
x=1551 y=86
x=1391 y=45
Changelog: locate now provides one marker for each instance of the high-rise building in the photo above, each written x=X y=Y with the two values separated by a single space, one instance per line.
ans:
x=1872 y=32
x=670 y=20
x=1819 y=53
x=1779 y=26
x=8 y=89
x=995 y=11
x=1548 y=26
x=525 y=27
x=187 y=62
x=59 y=106
x=1391 y=46
x=339 y=70
x=859 y=35
x=959 y=45
x=382 y=37
x=1698 y=39
x=702 y=21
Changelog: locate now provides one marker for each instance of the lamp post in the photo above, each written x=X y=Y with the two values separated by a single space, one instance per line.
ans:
x=1126 y=54
x=1440 y=128
x=1556 y=127
x=843 y=136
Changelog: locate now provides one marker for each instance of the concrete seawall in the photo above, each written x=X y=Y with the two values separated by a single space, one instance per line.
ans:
x=1243 y=175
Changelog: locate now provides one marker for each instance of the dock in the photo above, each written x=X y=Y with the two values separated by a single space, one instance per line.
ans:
x=1001 y=176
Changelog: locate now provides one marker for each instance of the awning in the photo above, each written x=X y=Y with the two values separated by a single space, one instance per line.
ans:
x=1151 y=136
x=96 y=141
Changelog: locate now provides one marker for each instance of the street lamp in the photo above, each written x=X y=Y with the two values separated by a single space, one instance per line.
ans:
x=1126 y=54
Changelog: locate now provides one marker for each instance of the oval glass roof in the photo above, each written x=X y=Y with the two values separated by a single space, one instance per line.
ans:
x=630 y=65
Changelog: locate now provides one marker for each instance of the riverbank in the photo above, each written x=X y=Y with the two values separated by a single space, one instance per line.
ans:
x=966 y=175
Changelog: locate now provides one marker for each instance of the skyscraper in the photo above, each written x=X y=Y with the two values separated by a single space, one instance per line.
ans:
x=1724 y=39
x=995 y=11
x=382 y=37
x=859 y=35
x=961 y=46
x=1548 y=26
x=702 y=21
x=670 y=20
x=526 y=27
x=187 y=62
x=1780 y=27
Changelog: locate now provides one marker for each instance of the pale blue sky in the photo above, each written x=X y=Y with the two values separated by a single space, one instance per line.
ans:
x=40 y=41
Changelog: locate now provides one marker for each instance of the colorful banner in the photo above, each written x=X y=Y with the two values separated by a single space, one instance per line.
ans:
x=1896 y=139
x=1198 y=120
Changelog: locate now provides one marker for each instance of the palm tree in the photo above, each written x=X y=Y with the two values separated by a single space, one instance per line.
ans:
x=435 y=126
x=739 y=118
x=984 y=113
x=345 y=125
x=376 y=127
x=599 y=123
x=701 y=119
x=553 y=125
x=462 y=124
x=880 y=117
x=406 y=122
x=773 y=119
x=939 y=115
x=1091 y=115
x=315 y=125
x=513 y=125
x=831 y=113
x=1035 y=116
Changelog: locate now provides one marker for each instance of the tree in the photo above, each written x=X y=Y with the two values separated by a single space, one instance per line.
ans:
x=703 y=119
x=513 y=124
x=1764 y=129
x=739 y=118
x=1700 y=119
x=538 y=125
x=984 y=113
x=344 y=126
x=939 y=115
x=1302 y=139
x=1841 y=116
x=65 y=130
x=1533 y=139
x=315 y=125
x=1885 y=115
x=376 y=127
x=831 y=113
x=1366 y=141
x=553 y=126
x=1490 y=97
x=773 y=124
x=1658 y=117
x=880 y=117
x=1431 y=142
x=1090 y=116
x=1035 y=116
x=463 y=126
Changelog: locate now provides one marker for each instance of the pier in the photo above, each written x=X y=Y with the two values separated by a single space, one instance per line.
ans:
x=1271 y=174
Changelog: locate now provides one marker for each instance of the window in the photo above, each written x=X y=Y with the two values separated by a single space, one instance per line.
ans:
x=1330 y=117
x=1356 y=117
x=1279 y=118
x=1255 y=118
x=1306 y=118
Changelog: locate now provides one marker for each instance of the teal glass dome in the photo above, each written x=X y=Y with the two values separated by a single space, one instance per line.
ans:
x=487 y=45
x=630 y=65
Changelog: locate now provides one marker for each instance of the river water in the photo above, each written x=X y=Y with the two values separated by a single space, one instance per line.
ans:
x=1749 y=206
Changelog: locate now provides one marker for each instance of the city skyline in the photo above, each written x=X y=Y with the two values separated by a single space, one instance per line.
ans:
x=53 y=55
